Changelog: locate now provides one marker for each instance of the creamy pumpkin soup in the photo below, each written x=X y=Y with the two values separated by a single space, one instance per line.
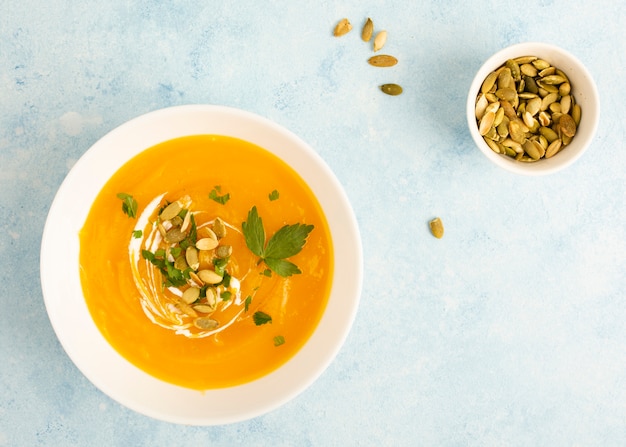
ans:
x=206 y=261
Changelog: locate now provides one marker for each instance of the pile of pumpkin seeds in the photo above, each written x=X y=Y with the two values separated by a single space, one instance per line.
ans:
x=201 y=259
x=526 y=110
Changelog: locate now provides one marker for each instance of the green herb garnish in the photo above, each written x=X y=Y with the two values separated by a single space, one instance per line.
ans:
x=274 y=195
x=247 y=303
x=129 y=204
x=226 y=295
x=286 y=242
x=137 y=234
x=173 y=276
x=279 y=340
x=261 y=318
x=215 y=195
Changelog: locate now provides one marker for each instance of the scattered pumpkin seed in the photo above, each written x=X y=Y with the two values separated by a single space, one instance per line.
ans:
x=368 y=30
x=382 y=60
x=391 y=89
x=380 y=40
x=205 y=323
x=436 y=227
x=343 y=27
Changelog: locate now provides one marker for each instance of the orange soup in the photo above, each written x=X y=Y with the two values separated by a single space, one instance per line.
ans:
x=206 y=261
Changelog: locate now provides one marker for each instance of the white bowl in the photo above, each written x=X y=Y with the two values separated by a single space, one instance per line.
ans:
x=108 y=370
x=584 y=91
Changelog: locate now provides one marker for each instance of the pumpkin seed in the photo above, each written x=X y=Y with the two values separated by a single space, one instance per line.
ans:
x=566 y=103
x=525 y=59
x=209 y=277
x=544 y=119
x=382 y=60
x=195 y=279
x=343 y=27
x=540 y=64
x=191 y=256
x=528 y=70
x=203 y=308
x=486 y=123
x=489 y=82
x=186 y=221
x=171 y=210
x=380 y=40
x=508 y=94
x=576 y=114
x=391 y=89
x=174 y=235
x=565 y=89
x=481 y=105
x=436 y=227
x=493 y=145
x=548 y=133
x=515 y=70
x=211 y=297
x=567 y=126
x=205 y=323
x=553 y=79
x=219 y=228
x=368 y=30
x=206 y=243
x=553 y=148
x=191 y=294
x=531 y=149
x=181 y=263
x=186 y=309
x=223 y=251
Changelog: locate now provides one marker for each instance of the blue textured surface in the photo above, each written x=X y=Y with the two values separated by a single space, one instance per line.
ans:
x=508 y=331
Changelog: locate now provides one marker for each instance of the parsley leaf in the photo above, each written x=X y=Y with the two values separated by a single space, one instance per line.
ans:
x=215 y=195
x=247 y=303
x=261 y=318
x=282 y=267
x=286 y=242
x=254 y=233
x=137 y=234
x=129 y=204
x=173 y=276
x=274 y=195
x=279 y=340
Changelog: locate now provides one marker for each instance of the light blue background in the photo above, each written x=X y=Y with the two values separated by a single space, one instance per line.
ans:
x=508 y=331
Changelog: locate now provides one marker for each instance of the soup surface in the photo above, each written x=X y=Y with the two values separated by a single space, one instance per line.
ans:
x=206 y=261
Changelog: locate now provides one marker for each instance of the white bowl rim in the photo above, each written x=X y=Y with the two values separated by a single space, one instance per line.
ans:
x=108 y=370
x=578 y=74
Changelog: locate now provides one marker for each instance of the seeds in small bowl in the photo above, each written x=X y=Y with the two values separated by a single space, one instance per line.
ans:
x=526 y=109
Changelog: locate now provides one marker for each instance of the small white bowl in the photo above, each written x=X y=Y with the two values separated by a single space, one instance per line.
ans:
x=584 y=91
